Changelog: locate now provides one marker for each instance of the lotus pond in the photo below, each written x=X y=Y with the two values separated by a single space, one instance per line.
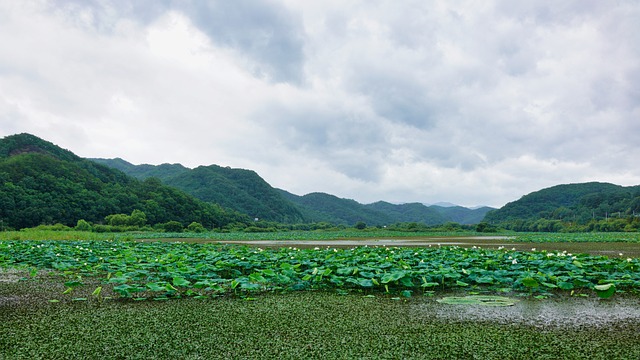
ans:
x=161 y=270
x=117 y=299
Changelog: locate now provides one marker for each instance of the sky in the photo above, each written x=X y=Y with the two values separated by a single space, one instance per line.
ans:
x=467 y=102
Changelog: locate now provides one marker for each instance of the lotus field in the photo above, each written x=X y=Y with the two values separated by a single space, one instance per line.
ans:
x=161 y=270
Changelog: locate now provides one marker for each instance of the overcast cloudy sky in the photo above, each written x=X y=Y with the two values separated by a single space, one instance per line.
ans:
x=470 y=102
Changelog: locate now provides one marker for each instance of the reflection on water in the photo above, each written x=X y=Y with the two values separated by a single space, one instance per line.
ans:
x=611 y=249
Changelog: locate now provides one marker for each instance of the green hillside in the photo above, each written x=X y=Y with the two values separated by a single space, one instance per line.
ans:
x=571 y=203
x=41 y=183
x=462 y=215
x=321 y=207
x=144 y=171
x=238 y=189
x=411 y=212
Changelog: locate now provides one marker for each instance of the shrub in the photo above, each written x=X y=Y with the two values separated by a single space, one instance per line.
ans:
x=83 y=225
x=486 y=228
x=196 y=227
x=55 y=227
x=360 y=225
x=172 y=226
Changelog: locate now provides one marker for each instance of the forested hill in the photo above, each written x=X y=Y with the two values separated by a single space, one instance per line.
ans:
x=238 y=189
x=321 y=207
x=246 y=192
x=579 y=203
x=41 y=183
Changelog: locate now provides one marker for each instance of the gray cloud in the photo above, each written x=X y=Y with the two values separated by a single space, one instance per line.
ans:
x=265 y=31
x=349 y=143
x=468 y=102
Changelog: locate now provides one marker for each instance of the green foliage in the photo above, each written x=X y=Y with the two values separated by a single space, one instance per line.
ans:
x=137 y=219
x=308 y=325
x=43 y=184
x=159 y=269
x=573 y=208
x=605 y=291
x=54 y=227
x=196 y=227
x=117 y=219
x=320 y=207
x=483 y=227
x=238 y=189
x=413 y=212
x=360 y=225
x=172 y=226
x=83 y=225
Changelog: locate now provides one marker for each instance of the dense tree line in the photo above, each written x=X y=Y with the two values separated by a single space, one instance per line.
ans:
x=613 y=224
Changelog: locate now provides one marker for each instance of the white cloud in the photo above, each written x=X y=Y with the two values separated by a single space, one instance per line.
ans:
x=467 y=102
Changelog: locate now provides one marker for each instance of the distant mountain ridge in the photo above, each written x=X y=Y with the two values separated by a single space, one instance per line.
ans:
x=245 y=191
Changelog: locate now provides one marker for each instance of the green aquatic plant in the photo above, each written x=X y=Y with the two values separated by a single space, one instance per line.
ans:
x=171 y=270
x=605 y=291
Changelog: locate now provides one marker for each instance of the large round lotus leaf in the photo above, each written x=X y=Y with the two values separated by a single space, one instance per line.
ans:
x=605 y=291
x=484 y=300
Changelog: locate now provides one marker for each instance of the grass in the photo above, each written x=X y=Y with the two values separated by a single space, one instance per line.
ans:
x=369 y=233
x=33 y=234
x=37 y=234
x=298 y=325
x=590 y=237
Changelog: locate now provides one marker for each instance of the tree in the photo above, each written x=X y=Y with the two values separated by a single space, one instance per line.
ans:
x=117 y=219
x=485 y=227
x=137 y=218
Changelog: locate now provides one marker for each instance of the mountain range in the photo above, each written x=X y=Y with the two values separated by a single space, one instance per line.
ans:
x=41 y=183
x=246 y=192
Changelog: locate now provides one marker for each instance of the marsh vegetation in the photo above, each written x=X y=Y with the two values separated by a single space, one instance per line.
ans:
x=120 y=297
